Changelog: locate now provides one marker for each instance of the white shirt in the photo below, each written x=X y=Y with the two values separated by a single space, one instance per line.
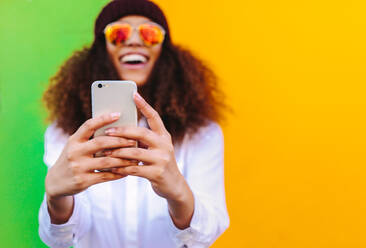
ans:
x=128 y=213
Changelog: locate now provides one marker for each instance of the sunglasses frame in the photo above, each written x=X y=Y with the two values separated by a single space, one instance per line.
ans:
x=133 y=29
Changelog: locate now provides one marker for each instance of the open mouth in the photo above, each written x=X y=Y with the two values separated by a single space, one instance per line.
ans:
x=134 y=59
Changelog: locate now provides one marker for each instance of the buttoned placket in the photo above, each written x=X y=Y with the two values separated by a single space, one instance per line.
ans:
x=131 y=200
x=131 y=213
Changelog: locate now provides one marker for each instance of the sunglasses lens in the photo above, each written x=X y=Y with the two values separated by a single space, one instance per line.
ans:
x=118 y=33
x=151 y=34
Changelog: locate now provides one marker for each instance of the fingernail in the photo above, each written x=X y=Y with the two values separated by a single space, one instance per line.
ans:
x=115 y=115
x=139 y=96
x=131 y=142
x=110 y=130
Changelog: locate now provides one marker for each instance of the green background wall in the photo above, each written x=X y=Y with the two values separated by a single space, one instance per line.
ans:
x=294 y=72
x=35 y=38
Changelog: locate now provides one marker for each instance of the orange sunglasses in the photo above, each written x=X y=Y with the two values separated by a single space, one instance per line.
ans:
x=150 y=33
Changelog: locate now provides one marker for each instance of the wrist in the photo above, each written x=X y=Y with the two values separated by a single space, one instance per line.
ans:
x=181 y=191
x=50 y=186
x=181 y=207
x=55 y=199
x=60 y=208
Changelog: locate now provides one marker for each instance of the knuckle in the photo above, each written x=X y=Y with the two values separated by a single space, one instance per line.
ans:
x=159 y=173
x=152 y=111
x=103 y=118
x=71 y=139
x=75 y=168
x=104 y=176
x=131 y=162
x=144 y=105
x=135 y=152
x=106 y=161
x=121 y=141
x=98 y=142
x=70 y=156
x=118 y=170
x=168 y=136
x=121 y=130
x=88 y=124
x=170 y=148
x=73 y=150
x=154 y=114
x=79 y=182
x=76 y=148
x=165 y=158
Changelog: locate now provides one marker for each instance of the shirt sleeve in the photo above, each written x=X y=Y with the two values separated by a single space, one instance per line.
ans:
x=205 y=176
x=67 y=234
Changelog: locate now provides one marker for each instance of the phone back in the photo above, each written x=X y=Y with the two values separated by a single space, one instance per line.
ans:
x=114 y=96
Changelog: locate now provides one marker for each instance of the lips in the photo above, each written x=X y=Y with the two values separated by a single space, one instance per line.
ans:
x=133 y=59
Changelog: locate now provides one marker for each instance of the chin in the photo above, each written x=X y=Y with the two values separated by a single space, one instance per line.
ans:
x=138 y=80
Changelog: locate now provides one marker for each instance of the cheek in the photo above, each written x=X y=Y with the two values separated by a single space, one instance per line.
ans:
x=155 y=52
x=111 y=51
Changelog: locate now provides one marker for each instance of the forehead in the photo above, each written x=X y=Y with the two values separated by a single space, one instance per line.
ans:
x=134 y=19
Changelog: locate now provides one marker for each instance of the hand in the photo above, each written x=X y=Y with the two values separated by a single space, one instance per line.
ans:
x=160 y=166
x=74 y=170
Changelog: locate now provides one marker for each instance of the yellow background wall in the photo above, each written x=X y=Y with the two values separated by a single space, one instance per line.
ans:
x=294 y=74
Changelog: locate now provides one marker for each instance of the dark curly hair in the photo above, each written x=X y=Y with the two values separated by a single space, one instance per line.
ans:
x=181 y=88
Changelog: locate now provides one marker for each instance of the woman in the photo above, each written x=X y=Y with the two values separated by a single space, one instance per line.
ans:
x=177 y=198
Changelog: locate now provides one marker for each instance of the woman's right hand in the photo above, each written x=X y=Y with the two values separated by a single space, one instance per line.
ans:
x=74 y=170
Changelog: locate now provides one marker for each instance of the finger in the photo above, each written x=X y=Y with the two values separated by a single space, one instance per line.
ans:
x=153 y=118
x=87 y=129
x=147 y=156
x=108 y=162
x=136 y=133
x=105 y=142
x=101 y=177
x=147 y=172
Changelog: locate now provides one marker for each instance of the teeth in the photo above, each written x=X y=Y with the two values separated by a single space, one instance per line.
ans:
x=133 y=58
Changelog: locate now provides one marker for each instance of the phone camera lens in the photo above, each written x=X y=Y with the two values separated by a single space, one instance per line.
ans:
x=100 y=85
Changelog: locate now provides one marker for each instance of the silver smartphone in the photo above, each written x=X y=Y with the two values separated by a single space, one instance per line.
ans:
x=114 y=96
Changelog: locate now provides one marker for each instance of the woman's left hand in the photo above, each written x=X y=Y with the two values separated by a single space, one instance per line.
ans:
x=160 y=166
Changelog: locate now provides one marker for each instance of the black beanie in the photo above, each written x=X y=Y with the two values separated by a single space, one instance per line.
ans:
x=120 y=8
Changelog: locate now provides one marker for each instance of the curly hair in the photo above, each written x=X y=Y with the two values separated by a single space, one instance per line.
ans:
x=181 y=88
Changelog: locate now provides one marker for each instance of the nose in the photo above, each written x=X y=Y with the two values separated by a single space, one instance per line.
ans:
x=135 y=39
